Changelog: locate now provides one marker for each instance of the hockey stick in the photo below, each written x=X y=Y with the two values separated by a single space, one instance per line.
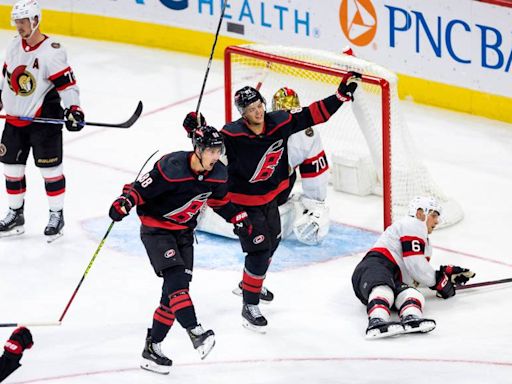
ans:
x=210 y=61
x=127 y=124
x=40 y=324
x=99 y=247
x=483 y=284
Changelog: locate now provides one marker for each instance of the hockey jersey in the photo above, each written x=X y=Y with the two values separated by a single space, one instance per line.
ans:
x=258 y=164
x=36 y=79
x=406 y=244
x=172 y=195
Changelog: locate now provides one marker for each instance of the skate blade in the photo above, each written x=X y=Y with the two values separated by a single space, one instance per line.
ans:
x=423 y=327
x=13 y=232
x=393 y=330
x=151 y=366
x=52 y=238
x=207 y=346
x=237 y=291
x=254 y=328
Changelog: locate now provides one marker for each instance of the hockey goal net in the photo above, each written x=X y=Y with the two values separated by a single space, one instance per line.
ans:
x=368 y=144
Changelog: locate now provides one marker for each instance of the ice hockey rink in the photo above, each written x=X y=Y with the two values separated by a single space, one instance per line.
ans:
x=316 y=325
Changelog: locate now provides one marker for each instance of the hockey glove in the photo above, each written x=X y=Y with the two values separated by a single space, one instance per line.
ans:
x=313 y=225
x=346 y=90
x=243 y=226
x=120 y=208
x=444 y=286
x=457 y=275
x=190 y=122
x=74 y=118
x=20 y=340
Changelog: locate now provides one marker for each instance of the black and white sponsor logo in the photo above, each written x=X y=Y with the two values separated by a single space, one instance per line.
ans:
x=258 y=239
x=3 y=150
x=170 y=253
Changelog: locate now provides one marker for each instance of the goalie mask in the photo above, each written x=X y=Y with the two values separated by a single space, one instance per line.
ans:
x=207 y=137
x=285 y=98
x=245 y=97
x=26 y=9
x=426 y=203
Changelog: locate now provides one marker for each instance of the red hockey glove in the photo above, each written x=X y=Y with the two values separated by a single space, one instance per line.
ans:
x=74 y=118
x=346 y=91
x=243 y=226
x=20 y=340
x=444 y=286
x=120 y=208
x=457 y=275
x=190 y=122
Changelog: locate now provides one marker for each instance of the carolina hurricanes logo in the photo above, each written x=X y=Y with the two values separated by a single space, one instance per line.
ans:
x=189 y=210
x=21 y=81
x=358 y=20
x=268 y=162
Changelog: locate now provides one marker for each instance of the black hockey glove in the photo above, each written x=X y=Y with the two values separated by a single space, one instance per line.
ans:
x=243 y=226
x=457 y=275
x=74 y=118
x=444 y=286
x=346 y=91
x=20 y=340
x=120 y=208
x=190 y=122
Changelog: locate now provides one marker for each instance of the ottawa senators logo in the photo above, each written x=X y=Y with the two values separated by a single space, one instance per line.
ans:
x=21 y=81
x=189 y=210
x=268 y=162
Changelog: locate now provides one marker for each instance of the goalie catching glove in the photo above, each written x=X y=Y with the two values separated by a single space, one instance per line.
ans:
x=347 y=86
x=313 y=225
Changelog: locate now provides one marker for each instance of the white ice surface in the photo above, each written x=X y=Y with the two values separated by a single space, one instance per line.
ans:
x=316 y=324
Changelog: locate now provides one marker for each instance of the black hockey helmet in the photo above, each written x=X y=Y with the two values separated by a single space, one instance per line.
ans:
x=246 y=96
x=207 y=136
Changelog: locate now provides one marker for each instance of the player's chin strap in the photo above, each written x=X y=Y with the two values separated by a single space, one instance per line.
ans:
x=34 y=28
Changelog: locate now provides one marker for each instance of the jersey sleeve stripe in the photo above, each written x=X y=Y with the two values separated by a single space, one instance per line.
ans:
x=310 y=160
x=316 y=113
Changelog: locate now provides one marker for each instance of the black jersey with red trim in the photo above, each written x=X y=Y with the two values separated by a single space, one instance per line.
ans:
x=171 y=195
x=258 y=164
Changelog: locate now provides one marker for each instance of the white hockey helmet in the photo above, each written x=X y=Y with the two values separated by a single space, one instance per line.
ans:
x=427 y=203
x=26 y=9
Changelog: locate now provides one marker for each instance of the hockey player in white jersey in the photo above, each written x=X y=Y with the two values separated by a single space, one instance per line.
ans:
x=399 y=263
x=304 y=214
x=36 y=82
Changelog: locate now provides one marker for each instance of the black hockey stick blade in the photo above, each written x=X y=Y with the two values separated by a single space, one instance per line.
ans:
x=127 y=124
x=483 y=284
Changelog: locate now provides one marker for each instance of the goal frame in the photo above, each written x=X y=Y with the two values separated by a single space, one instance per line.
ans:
x=380 y=82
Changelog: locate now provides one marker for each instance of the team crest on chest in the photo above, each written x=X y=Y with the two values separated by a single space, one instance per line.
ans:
x=21 y=81
x=268 y=162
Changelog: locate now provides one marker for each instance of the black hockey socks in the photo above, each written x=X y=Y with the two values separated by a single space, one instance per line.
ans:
x=163 y=319
x=183 y=308
x=251 y=287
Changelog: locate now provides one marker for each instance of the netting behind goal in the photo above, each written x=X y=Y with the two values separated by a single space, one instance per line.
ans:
x=367 y=142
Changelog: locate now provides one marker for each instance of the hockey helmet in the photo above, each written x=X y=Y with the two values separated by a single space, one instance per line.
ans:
x=207 y=137
x=427 y=203
x=246 y=96
x=285 y=98
x=26 y=9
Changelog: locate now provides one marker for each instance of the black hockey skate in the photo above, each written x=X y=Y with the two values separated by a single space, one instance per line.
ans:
x=253 y=319
x=13 y=223
x=379 y=328
x=203 y=341
x=153 y=359
x=54 y=228
x=265 y=295
x=413 y=324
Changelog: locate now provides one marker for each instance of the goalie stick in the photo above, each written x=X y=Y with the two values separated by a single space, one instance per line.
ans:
x=127 y=124
x=483 y=284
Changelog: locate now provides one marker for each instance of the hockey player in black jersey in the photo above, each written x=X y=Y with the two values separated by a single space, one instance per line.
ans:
x=256 y=149
x=168 y=200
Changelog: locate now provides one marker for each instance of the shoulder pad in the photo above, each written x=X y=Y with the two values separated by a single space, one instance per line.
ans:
x=219 y=172
x=174 y=165
x=235 y=127
x=277 y=117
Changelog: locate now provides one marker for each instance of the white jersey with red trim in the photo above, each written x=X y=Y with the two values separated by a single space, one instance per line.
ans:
x=407 y=242
x=305 y=150
x=31 y=73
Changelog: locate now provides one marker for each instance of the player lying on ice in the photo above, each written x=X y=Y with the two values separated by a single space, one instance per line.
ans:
x=397 y=264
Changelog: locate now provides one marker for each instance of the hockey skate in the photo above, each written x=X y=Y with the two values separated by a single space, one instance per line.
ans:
x=253 y=319
x=203 y=341
x=413 y=324
x=153 y=359
x=13 y=223
x=54 y=228
x=265 y=295
x=379 y=328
